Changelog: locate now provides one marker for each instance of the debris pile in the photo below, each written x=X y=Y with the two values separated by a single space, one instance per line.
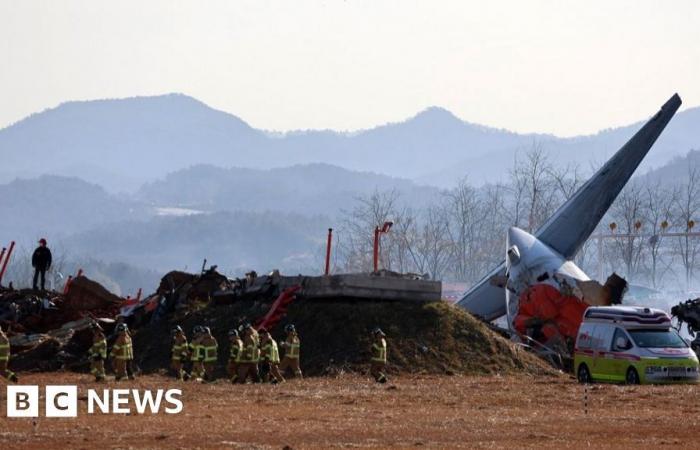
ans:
x=43 y=325
x=688 y=312
x=51 y=332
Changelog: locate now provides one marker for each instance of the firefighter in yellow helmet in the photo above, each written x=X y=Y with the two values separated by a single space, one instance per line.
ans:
x=378 y=362
x=292 y=347
x=210 y=354
x=196 y=352
x=98 y=352
x=249 y=357
x=178 y=352
x=5 y=358
x=123 y=353
x=236 y=348
x=270 y=356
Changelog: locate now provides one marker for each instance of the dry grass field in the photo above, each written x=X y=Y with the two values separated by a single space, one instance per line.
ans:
x=350 y=411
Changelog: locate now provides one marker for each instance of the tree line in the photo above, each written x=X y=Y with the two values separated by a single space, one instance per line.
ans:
x=646 y=237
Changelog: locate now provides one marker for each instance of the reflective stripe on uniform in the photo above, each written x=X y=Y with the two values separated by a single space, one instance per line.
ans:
x=99 y=348
x=178 y=350
x=125 y=351
x=292 y=350
x=379 y=352
x=271 y=352
x=236 y=349
x=209 y=353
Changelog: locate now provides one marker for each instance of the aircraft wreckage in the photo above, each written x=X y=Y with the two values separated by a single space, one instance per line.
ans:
x=542 y=293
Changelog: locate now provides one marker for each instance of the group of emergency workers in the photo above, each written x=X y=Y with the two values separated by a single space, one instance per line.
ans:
x=253 y=355
x=122 y=353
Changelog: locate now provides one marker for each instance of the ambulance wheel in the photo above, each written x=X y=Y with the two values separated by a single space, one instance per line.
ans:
x=583 y=375
x=632 y=376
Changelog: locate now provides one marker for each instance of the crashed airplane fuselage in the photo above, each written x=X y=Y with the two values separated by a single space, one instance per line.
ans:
x=538 y=267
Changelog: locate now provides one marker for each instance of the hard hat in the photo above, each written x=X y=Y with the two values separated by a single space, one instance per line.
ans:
x=206 y=330
x=197 y=329
x=378 y=331
x=42 y=241
x=233 y=332
x=290 y=328
x=122 y=327
x=95 y=326
x=177 y=329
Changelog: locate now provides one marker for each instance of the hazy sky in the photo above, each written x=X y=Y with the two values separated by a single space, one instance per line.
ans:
x=565 y=67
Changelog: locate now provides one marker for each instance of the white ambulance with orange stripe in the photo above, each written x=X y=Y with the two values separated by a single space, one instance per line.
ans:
x=633 y=345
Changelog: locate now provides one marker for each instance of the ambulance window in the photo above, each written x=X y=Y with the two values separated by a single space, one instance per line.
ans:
x=602 y=337
x=621 y=335
x=585 y=336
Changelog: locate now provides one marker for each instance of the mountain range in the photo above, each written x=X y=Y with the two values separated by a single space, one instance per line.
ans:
x=122 y=144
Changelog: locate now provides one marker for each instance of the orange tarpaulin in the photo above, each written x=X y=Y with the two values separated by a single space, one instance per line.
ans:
x=558 y=313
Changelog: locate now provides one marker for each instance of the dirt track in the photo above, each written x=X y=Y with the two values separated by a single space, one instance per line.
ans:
x=350 y=411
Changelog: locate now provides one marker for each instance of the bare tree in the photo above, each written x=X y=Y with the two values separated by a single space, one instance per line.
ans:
x=627 y=212
x=687 y=206
x=658 y=211
x=534 y=190
x=357 y=230
x=463 y=208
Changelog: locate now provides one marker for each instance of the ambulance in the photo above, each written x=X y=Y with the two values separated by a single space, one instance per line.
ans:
x=632 y=345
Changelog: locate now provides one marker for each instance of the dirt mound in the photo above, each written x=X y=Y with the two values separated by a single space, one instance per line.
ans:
x=422 y=337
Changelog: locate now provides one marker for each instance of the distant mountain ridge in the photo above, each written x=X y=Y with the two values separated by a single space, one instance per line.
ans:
x=123 y=143
x=310 y=189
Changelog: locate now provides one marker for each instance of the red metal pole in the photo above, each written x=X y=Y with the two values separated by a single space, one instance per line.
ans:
x=328 y=251
x=138 y=296
x=66 y=288
x=7 y=259
x=376 y=249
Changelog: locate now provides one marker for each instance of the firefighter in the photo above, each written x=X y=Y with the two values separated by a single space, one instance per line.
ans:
x=5 y=358
x=270 y=356
x=195 y=352
x=123 y=353
x=178 y=352
x=292 y=346
x=41 y=262
x=98 y=352
x=378 y=363
x=236 y=348
x=249 y=357
x=209 y=353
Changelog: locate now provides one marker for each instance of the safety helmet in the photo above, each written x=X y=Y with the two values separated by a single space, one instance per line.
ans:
x=206 y=330
x=198 y=329
x=94 y=326
x=378 y=332
x=233 y=332
x=290 y=328
x=177 y=329
x=42 y=241
x=122 y=327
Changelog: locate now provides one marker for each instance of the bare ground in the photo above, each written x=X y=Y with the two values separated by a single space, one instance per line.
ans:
x=350 y=411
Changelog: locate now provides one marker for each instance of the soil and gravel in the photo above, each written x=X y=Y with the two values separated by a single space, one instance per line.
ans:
x=412 y=411
x=428 y=338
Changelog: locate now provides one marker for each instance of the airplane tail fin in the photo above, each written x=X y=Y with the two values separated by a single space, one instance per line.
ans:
x=574 y=222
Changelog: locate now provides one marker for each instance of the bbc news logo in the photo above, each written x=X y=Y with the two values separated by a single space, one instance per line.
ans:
x=62 y=401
